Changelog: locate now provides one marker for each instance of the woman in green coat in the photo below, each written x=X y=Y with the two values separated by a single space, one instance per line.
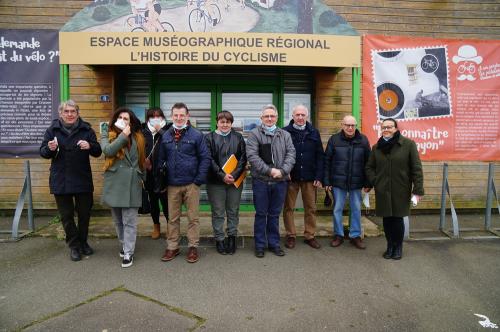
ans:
x=395 y=170
x=123 y=145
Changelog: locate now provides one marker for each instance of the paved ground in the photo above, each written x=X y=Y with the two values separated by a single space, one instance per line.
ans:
x=438 y=285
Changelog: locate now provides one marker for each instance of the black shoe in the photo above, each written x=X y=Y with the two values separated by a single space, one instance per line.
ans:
x=277 y=251
x=122 y=253
x=128 y=261
x=86 y=249
x=259 y=253
x=231 y=244
x=214 y=21
x=221 y=249
x=397 y=253
x=75 y=255
x=388 y=253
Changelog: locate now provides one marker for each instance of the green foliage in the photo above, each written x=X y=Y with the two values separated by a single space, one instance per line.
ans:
x=283 y=19
x=101 y=14
x=55 y=220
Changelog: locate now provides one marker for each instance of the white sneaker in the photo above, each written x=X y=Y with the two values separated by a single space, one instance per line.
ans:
x=128 y=261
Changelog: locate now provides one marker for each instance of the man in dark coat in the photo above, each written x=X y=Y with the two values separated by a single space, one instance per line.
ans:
x=69 y=142
x=346 y=155
x=306 y=176
x=185 y=154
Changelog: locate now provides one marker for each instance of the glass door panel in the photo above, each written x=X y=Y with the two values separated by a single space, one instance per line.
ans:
x=246 y=108
x=199 y=104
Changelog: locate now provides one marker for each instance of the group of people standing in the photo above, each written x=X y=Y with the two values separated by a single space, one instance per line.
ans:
x=172 y=161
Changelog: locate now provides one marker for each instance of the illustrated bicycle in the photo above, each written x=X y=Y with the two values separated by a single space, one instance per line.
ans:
x=137 y=23
x=471 y=69
x=199 y=16
x=429 y=64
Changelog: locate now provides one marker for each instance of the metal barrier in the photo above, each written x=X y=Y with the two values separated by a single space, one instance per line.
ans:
x=489 y=196
x=455 y=231
x=16 y=234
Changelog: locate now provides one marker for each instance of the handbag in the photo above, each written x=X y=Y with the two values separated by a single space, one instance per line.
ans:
x=146 y=204
x=162 y=181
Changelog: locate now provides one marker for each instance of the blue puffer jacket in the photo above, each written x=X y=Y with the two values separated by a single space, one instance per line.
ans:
x=345 y=161
x=309 y=153
x=188 y=160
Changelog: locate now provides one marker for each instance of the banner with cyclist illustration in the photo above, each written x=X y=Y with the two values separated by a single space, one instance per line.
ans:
x=239 y=32
x=444 y=93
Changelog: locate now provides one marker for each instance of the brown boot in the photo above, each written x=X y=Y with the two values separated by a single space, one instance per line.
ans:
x=155 y=235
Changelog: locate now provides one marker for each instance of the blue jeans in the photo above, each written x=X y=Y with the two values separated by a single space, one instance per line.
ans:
x=268 y=199
x=339 y=196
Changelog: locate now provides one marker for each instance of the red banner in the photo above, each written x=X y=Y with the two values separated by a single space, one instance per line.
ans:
x=444 y=93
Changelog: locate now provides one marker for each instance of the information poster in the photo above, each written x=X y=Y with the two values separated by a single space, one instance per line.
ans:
x=29 y=89
x=444 y=93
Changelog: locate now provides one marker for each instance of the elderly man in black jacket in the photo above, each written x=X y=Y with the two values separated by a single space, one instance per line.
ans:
x=347 y=153
x=306 y=176
x=69 y=142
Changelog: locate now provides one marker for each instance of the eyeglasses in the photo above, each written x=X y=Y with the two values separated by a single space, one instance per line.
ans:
x=350 y=125
x=387 y=127
x=70 y=111
x=269 y=116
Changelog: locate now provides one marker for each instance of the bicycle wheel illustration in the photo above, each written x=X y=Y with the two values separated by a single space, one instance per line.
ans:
x=216 y=12
x=167 y=27
x=129 y=23
x=197 y=21
x=390 y=100
x=138 y=29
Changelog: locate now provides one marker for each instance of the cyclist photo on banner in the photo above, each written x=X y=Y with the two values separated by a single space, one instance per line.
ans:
x=147 y=15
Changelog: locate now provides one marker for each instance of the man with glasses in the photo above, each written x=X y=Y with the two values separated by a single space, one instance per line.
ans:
x=306 y=175
x=271 y=155
x=68 y=143
x=347 y=153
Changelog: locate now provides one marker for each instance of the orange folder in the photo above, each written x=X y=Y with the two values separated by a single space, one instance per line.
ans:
x=230 y=166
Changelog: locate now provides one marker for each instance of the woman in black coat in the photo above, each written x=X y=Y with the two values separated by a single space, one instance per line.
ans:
x=153 y=129
x=223 y=188
x=395 y=170
x=69 y=142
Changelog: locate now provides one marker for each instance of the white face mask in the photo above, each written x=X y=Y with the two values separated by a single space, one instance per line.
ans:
x=120 y=124
x=155 y=121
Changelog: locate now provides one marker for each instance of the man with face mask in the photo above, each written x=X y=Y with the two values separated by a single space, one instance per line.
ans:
x=184 y=152
x=68 y=143
x=271 y=154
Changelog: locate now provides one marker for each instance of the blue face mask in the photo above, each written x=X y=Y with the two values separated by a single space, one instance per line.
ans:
x=179 y=128
x=272 y=128
x=220 y=132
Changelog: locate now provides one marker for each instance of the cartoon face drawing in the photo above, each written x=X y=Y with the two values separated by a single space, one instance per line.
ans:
x=467 y=60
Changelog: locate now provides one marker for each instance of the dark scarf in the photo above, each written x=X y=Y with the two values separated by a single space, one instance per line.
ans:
x=69 y=128
x=178 y=133
x=386 y=146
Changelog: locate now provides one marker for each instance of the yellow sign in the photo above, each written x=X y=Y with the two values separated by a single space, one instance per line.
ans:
x=214 y=48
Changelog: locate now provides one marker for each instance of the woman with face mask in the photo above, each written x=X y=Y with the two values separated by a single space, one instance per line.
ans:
x=395 y=170
x=153 y=129
x=123 y=144
x=224 y=196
